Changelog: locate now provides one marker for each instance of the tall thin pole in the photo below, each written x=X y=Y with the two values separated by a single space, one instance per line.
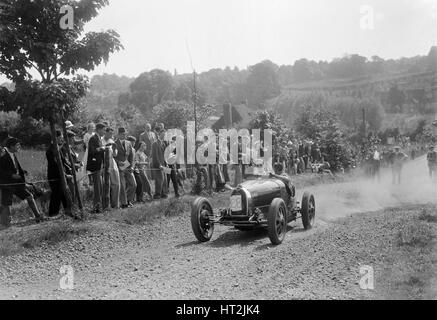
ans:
x=195 y=104
x=63 y=180
x=73 y=168
x=364 y=131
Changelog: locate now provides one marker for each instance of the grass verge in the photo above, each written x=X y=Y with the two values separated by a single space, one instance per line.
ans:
x=15 y=241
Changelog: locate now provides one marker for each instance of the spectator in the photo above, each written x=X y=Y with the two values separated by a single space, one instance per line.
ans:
x=148 y=137
x=76 y=165
x=173 y=175
x=13 y=176
x=139 y=185
x=325 y=167
x=376 y=163
x=432 y=161
x=69 y=125
x=114 y=175
x=141 y=163
x=397 y=159
x=57 y=196
x=95 y=163
x=125 y=162
x=4 y=210
x=157 y=165
x=91 y=130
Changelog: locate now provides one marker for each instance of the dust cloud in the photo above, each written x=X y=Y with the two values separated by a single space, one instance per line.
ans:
x=364 y=195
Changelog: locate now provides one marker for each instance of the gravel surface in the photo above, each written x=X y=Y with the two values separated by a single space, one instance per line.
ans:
x=162 y=260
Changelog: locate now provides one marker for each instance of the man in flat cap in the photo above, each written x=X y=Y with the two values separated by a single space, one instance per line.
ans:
x=432 y=161
x=13 y=176
x=397 y=160
x=125 y=162
x=96 y=153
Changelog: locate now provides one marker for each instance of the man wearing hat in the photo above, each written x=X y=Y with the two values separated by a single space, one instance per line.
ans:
x=96 y=153
x=76 y=165
x=13 y=176
x=57 y=196
x=114 y=175
x=148 y=137
x=432 y=161
x=4 y=211
x=157 y=165
x=125 y=162
x=397 y=161
x=69 y=125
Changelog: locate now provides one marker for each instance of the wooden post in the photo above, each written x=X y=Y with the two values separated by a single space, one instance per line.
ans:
x=106 y=179
x=61 y=171
x=70 y=158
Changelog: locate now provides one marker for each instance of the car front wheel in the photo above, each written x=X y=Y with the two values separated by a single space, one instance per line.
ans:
x=201 y=215
x=277 y=221
x=308 y=210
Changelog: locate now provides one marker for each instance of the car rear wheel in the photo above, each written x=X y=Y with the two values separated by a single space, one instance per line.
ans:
x=201 y=212
x=308 y=210
x=276 y=221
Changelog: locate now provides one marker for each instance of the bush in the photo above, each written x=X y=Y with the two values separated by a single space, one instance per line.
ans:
x=415 y=234
x=9 y=120
x=323 y=126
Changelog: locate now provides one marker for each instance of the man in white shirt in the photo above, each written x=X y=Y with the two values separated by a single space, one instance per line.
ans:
x=110 y=163
x=376 y=164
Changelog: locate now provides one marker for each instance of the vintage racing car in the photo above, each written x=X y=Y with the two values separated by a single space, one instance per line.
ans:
x=267 y=202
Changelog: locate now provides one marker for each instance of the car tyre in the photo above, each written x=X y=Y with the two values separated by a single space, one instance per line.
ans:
x=201 y=210
x=277 y=221
x=308 y=210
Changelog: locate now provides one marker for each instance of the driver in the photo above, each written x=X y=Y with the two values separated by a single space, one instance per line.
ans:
x=284 y=178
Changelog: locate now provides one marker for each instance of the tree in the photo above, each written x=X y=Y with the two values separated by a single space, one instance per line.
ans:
x=32 y=39
x=271 y=120
x=323 y=126
x=302 y=71
x=262 y=83
x=151 y=88
x=396 y=99
x=175 y=115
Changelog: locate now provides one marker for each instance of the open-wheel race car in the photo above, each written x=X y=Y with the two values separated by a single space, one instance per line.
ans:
x=268 y=202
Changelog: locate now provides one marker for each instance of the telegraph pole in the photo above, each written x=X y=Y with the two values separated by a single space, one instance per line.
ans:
x=195 y=104
x=364 y=131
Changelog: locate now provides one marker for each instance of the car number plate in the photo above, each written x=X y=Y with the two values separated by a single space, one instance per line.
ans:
x=236 y=203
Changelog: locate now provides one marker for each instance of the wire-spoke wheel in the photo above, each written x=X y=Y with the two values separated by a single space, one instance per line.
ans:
x=201 y=216
x=277 y=221
x=308 y=210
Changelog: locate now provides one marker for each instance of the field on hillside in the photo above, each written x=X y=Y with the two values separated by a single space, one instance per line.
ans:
x=34 y=162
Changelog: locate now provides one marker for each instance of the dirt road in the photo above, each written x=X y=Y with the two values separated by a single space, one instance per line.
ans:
x=162 y=260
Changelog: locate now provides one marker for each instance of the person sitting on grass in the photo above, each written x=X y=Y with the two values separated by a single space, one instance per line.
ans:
x=325 y=167
x=13 y=175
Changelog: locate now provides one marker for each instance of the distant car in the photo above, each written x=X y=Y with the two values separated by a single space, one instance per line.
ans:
x=267 y=202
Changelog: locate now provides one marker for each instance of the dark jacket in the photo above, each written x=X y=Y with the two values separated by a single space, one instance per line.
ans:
x=52 y=164
x=95 y=158
x=125 y=151
x=7 y=170
x=148 y=138
x=158 y=150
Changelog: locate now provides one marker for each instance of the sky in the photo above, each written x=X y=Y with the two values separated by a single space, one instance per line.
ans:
x=218 y=33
